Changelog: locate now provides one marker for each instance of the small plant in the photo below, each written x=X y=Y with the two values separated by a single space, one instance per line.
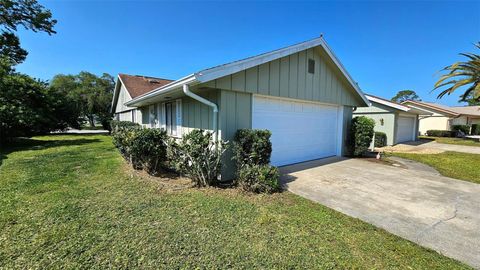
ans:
x=252 y=146
x=463 y=128
x=361 y=135
x=198 y=156
x=380 y=139
x=441 y=133
x=149 y=148
x=259 y=178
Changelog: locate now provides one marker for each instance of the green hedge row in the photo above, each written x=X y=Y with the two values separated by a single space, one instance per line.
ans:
x=380 y=139
x=441 y=133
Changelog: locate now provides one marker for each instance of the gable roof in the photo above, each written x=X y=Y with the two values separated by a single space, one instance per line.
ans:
x=138 y=85
x=437 y=107
x=216 y=72
x=396 y=105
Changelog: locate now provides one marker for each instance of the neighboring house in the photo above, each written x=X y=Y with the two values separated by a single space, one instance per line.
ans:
x=129 y=87
x=301 y=93
x=444 y=117
x=399 y=122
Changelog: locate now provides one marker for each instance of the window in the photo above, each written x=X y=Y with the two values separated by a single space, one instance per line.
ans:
x=171 y=118
x=311 y=66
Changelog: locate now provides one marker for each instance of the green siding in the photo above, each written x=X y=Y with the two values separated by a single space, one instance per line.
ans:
x=235 y=112
x=289 y=77
x=196 y=114
x=378 y=112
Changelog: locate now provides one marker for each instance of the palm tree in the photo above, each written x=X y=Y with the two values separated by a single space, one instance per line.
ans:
x=462 y=74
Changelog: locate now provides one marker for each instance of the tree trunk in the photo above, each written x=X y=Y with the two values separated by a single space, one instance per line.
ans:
x=91 y=120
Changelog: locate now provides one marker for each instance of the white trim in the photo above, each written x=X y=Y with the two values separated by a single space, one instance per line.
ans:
x=340 y=130
x=151 y=116
x=297 y=100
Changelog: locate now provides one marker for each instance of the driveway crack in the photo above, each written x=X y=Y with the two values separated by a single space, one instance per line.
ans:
x=435 y=224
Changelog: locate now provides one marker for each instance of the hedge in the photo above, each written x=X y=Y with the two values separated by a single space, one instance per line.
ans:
x=475 y=129
x=360 y=135
x=463 y=128
x=441 y=133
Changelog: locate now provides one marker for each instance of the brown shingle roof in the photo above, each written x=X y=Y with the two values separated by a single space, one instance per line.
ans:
x=138 y=85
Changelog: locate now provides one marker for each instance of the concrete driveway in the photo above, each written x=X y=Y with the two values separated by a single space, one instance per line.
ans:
x=430 y=148
x=413 y=202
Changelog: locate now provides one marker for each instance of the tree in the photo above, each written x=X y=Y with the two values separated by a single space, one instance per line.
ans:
x=29 y=107
x=404 y=95
x=92 y=94
x=470 y=100
x=462 y=74
x=26 y=13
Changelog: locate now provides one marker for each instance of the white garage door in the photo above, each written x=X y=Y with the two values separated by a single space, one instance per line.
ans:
x=301 y=131
x=405 y=126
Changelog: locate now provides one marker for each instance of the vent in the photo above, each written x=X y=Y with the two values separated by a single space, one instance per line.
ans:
x=153 y=81
x=311 y=66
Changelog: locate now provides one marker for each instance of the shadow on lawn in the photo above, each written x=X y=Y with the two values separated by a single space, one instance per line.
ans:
x=26 y=144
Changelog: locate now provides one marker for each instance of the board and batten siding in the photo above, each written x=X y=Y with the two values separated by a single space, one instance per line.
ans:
x=288 y=77
x=123 y=97
x=377 y=112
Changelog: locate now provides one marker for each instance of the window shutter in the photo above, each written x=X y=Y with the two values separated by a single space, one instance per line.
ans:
x=179 y=117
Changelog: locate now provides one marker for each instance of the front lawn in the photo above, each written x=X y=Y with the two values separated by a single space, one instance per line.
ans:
x=70 y=202
x=452 y=164
x=457 y=141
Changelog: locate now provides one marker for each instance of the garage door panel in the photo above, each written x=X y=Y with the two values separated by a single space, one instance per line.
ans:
x=405 y=126
x=301 y=131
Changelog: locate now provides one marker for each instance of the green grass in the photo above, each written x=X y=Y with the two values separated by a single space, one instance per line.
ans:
x=457 y=141
x=457 y=165
x=68 y=202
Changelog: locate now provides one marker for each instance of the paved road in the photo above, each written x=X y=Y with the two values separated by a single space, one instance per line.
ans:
x=452 y=147
x=417 y=203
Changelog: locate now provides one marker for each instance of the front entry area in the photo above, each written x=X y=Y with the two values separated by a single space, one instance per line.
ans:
x=301 y=131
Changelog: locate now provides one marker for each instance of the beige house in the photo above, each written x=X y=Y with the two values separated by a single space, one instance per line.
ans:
x=444 y=117
x=301 y=93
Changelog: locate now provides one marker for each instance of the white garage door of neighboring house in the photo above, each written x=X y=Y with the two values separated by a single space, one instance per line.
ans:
x=301 y=131
x=405 y=129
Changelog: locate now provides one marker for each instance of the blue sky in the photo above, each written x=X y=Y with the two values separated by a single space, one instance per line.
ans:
x=385 y=46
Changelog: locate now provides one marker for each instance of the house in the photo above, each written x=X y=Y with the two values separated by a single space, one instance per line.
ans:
x=399 y=122
x=444 y=117
x=301 y=93
x=129 y=87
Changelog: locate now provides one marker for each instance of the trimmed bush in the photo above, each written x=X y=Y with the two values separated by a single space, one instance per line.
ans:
x=252 y=146
x=380 y=139
x=361 y=135
x=463 y=128
x=149 y=148
x=197 y=156
x=115 y=125
x=475 y=129
x=252 y=150
x=259 y=178
x=441 y=133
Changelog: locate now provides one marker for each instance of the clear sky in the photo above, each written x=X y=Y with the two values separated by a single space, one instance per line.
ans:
x=385 y=46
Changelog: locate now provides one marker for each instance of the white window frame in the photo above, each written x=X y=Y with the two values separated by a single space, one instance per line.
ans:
x=178 y=115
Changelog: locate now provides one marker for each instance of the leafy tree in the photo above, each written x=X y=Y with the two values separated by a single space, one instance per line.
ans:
x=92 y=94
x=26 y=13
x=462 y=74
x=404 y=95
x=29 y=107
x=470 y=100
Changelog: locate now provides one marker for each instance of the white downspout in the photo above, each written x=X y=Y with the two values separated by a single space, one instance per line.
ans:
x=186 y=90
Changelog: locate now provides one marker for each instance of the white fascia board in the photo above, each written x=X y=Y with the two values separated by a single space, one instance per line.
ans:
x=389 y=104
x=427 y=112
x=175 y=85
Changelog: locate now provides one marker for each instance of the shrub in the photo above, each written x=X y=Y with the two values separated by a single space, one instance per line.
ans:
x=463 y=128
x=198 y=156
x=252 y=146
x=259 y=178
x=252 y=150
x=441 y=133
x=380 y=139
x=475 y=129
x=123 y=133
x=149 y=148
x=361 y=135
